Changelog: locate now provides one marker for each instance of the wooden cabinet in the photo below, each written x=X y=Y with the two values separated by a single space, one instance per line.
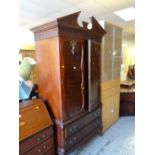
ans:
x=127 y=98
x=110 y=74
x=35 y=129
x=68 y=62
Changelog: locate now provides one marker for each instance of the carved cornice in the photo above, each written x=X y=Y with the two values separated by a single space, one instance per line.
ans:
x=68 y=26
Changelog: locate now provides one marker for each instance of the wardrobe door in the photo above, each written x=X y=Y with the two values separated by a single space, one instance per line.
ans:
x=72 y=76
x=93 y=74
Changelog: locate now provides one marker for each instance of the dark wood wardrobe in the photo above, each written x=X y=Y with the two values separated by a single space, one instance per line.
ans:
x=68 y=63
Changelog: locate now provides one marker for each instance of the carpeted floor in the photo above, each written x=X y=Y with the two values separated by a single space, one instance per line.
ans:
x=118 y=140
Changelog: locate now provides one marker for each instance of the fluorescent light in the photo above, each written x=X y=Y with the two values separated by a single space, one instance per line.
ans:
x=126 y=14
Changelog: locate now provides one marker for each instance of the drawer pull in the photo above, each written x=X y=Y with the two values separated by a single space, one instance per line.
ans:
x=70 y=130
x=22 y=123
x=71 y=142
x=97 y=113
x=43 y=149
x=37 y=107
x=74 y=67
x=41 y=138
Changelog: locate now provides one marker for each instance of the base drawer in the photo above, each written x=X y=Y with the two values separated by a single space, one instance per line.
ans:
x=35 y=140
x=42 y=148
x=79 y=136
x=75 y=126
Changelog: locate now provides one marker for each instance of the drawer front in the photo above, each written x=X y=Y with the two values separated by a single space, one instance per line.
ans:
x=110 y=84
x=42 y=148
x=33 y=119
x=109 y=88
x=76 y=138
x=35 y=140
x=109 y=92
x=74 y=127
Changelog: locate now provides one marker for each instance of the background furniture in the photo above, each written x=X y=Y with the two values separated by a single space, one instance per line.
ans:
x=68 y=62
x=35 y=129
x=127 y=98
x=110 y=74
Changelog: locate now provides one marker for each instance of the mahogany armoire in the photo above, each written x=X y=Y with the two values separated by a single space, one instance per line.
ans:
x=68 y=63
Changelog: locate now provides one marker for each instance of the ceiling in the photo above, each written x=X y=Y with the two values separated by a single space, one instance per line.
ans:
x=37 y=12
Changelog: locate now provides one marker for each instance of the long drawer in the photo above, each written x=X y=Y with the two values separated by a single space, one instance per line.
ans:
x=75 y=126
x=35 y=140
x=79 y=136
x=42 y=148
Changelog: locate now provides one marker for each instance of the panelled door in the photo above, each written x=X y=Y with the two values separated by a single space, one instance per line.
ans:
x=72 y=76
x=93 y=74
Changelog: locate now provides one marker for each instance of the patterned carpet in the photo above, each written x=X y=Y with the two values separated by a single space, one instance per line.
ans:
x=118 y=140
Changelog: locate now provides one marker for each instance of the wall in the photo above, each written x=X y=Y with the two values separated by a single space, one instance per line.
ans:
x=128 y=53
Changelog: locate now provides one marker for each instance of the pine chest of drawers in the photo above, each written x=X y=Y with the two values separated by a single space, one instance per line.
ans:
x=35 y=129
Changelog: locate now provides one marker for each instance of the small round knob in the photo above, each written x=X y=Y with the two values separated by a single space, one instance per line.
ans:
x=70 y=130
x=74 y=67
x=37 y=107
x=43 y=136
x=71 y=142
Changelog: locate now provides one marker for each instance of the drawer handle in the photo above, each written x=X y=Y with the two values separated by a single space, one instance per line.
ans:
x=71 y=142
x=62 y=66
x=22 y=123
x=43 y=149
x=74 y=67
x=97 y=113
x=37 y=107
x=70 y=130
x=41 y=138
